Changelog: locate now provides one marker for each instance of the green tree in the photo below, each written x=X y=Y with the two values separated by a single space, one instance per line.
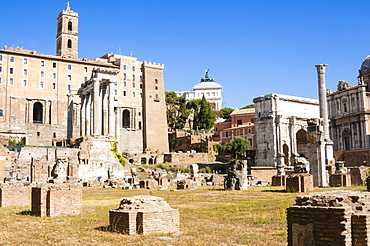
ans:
x=177 y=113
x=248 y=106
x=203 y=115
x=225 y=112
x=237 y=147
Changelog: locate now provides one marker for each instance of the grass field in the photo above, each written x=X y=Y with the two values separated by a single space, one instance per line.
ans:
x=209 y=216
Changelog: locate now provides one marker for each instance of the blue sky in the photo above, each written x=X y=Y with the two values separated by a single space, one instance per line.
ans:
x=252 y=48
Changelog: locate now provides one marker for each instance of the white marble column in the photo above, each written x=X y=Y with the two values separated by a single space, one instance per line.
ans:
x=97 y=108
x=83 y=115
x=105 y=103
x=111 y=116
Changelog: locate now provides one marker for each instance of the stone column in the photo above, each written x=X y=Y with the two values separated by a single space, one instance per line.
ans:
x=83 y=115
x=105 y=120
x=97 y=108
x=87 y=122
x=322 y=98
x=111 y=117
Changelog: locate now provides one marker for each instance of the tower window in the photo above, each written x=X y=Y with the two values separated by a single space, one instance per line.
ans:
x=11 y=81
x=42 y=74
x=156 y=81
x=85 y=79
x=69 y=77
x=124 y=76
x=133 y=94
x=42 y=63
x=115 y=92
x=124 y=93
x=69 y=67
x=0 y=81
x=54 y=86
x=124 y=67
x=69 y=44
x=25 y=82
x=41 y=84
x=11 y=70
x=54 y=64
x=133 y=85
x=25 y=61
x=37 y=113
x=133 y=77
x=12 y=59
x=1 y=69
x=69 y=87
x=54 y=75
x=70 y=26
x=1 y=113
x=85 y=69
x=1 y=57
x=133 y=68
x=25 y=72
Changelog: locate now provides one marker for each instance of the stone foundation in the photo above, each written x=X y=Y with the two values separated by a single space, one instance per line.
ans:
x=14 y=194
x=144 y=215
x=56 y=200
x=147 y=183
x=278 y=180
x=339 y=180
x=335 y=218
x=163 y=181
x=299 y=182
x=186 y=184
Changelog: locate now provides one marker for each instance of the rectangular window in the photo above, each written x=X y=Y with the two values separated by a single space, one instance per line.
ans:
x=133 y=85
x=1 y=81
x=133 y=94
x=24 y=83
x=115 y=92
x=124 y=84
x=133 y=77
x=25 y=61
x=11 y=81
x=54 y=64
x=69 y=77
x=85 y=79
x=42 y=74
x=124 y=67
x=54 y=75
x=124 y=93
x=25 y=72
x=133 y=68
x=41 y=84
x=69 y=87
x=42 y=63
x=227 y=134
x=11 y=70
x=85 y=69
x=54 y=85
x=239 y=122
x=124 y=76
x=12 y=59
x=1 y=113
x=1 y=69
x=1 y=57
x=69 y=67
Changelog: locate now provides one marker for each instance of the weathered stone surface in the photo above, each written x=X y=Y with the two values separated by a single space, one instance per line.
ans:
x=278 y=180
x=332 y=218
x=56 y=200
x=299 y=182
x=145 y=215
x=237 y=176
x=339 y=180
x=186 y=184
x=14 y=194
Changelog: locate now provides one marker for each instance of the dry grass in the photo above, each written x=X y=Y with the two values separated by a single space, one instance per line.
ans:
x=208 y=217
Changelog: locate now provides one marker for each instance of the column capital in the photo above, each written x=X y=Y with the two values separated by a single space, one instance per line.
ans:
x=321 y=68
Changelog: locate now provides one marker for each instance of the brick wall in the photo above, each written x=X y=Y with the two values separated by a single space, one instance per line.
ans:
x=339 y=180
x=56 y=200
x=334 y=218
x=14 y=194
x=145 y=215
x=299 y=182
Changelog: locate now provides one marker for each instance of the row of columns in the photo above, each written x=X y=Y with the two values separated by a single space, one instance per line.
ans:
x=97 y=109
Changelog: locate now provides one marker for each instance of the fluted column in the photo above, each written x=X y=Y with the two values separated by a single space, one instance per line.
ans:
x=97 y=108
x=111 y=117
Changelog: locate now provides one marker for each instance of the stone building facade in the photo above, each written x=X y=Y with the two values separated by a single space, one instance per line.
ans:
x=348 y=109
x=281 y=128
x=43 y=103
x=208 y=88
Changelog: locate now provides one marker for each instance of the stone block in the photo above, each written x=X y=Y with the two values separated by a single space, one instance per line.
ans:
x=339 y=180
x=335 y=218
x=299 y=182
x=56 y=200
x=278 y=180
x=144 y=215
x=14 y=194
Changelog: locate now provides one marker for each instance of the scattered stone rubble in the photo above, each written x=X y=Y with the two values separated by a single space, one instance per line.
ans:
x=332 y=218
x=144 y=215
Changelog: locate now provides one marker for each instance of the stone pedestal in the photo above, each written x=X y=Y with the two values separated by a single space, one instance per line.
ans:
x=335 y=218
x=299 y=182
x=144 y=215
x=278 y=180
x=339 y=180
x=56 y=200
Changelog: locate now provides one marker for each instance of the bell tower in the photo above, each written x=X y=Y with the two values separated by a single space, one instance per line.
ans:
x=67 y=34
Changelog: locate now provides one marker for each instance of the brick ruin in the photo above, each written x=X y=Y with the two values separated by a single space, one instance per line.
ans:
x=14 y=194
x=332 y=218
x=299 y=182
x=56 y=200
x=144 y=215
